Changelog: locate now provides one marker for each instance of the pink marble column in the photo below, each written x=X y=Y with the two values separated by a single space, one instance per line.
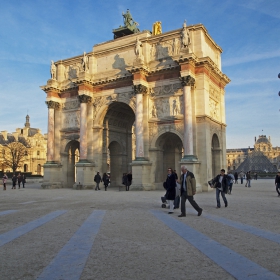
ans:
x=187 y=83
x=84 y=99
x=139 y=90
x=51 y=114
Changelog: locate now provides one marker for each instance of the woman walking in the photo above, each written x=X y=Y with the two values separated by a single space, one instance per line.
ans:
x=170 y=184
x=5 y=178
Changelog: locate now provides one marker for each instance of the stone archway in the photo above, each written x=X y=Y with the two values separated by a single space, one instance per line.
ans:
x=216 y=155
x=117 y=140
x=72 y=150
x=169 y=148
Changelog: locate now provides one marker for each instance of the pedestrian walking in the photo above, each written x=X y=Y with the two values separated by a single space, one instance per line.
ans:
x=277 y=183
x=231 y=179
x=170 y=184
x=19 y=179
x=14 y=181
x=129 y=179
x=106 y=181
x=188 y=190
x=97 y=180
x=23 y=180
x=5 y=178
x=248 y=179
x=236 y=178
x=241 y=176
x=220 y=182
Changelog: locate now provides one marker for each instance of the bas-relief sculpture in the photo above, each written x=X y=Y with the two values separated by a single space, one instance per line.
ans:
x=71 y=119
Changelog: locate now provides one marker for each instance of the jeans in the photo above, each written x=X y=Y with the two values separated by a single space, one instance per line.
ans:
x=241 y=180
x=218 y=192
x=248 y=183
x=97 y=186
x=278 y=188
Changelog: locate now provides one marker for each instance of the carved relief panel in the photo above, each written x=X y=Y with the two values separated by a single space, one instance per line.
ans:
x=71 y=119
x=214 y=103
x=166 y=101
x=165 y=49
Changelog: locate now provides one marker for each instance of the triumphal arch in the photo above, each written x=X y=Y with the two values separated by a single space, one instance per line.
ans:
x=142 y=102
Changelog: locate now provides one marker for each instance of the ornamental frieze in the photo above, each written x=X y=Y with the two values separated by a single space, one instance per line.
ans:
x=166 y=90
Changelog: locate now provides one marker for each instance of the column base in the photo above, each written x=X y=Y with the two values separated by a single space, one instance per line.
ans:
x=52 y=175
x=85 y=175
x=141 y=175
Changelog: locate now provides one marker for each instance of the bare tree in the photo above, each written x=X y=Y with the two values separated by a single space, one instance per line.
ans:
x=13 y=155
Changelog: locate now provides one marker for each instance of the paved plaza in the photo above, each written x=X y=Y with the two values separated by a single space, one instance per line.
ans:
x=87 y=234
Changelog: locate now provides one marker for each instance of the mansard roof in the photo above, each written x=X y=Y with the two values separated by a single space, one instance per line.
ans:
x=262 y=139
x=256 y=161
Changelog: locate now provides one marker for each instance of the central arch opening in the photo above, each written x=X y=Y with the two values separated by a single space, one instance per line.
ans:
x=118 y=141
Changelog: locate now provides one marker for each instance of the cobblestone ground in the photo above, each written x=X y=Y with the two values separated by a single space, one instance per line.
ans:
x=87 y=234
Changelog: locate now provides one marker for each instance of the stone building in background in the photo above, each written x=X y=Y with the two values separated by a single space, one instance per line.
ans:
x=36 y=144
x=263 y=144
x=141 y=102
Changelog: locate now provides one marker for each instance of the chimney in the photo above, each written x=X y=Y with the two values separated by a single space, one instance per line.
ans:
x=5 y=134
x=15 y=134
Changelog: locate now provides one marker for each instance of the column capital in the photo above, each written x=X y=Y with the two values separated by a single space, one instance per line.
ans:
x=140 y=89
x=187 y=80
x=84 y=98
x=52 y=104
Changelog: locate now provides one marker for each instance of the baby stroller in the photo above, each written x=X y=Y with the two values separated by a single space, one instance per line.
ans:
x=177 y=198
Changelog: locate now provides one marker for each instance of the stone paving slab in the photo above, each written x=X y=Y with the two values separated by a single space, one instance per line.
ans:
x=131 y=242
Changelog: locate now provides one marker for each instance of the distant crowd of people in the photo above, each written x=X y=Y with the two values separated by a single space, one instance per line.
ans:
x=19 y=179
x=126 y=180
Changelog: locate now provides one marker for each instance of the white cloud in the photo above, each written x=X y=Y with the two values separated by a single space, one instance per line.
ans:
x=249 y=57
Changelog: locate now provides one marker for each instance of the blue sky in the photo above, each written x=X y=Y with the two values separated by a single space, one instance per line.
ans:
x=32 y=33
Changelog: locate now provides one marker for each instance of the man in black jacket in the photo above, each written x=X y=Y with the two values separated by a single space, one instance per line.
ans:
x=221 y=184
x=97 y=180
x=277 y=183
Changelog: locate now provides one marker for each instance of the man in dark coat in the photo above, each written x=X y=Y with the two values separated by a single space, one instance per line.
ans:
x=97 y=180
x=188 y=190
x=220 y=182
x=129 y=180
x=170 y=185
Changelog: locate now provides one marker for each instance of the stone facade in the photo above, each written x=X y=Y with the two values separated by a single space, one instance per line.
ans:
x=36 y=143
x=263 y=144
x=145 y=102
